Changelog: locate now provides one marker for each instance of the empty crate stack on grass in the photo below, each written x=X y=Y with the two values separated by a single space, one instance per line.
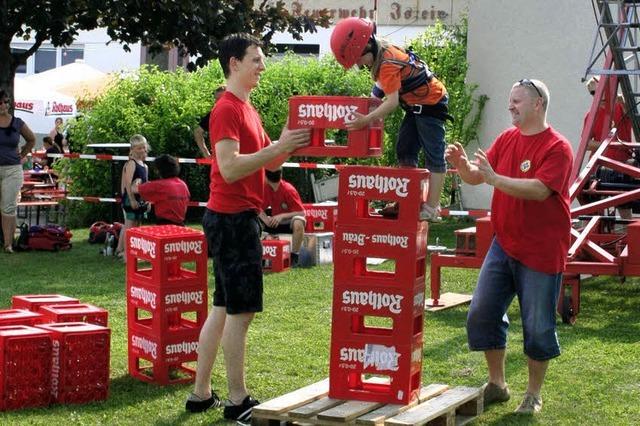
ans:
x=377 y=324
x=47 y=356
x=166 y=301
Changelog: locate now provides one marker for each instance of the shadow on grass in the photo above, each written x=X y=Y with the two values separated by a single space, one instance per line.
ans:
x=514 y=419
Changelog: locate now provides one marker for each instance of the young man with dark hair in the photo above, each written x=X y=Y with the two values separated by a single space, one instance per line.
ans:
x=169 y=194
x=242 y=150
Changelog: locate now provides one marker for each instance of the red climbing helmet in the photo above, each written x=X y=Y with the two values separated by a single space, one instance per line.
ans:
x=350 y=38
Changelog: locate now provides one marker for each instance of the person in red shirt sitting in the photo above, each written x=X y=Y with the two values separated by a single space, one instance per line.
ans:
x=169 y=194
x=286 y=213
x=529 y=167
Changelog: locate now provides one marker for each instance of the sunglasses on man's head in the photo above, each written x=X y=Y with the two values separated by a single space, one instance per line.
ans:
x=527 y=82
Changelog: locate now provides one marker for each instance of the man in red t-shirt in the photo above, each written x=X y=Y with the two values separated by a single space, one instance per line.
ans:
x=529 y=167
x=286 y=213
x=169 y=194
x=241 y=150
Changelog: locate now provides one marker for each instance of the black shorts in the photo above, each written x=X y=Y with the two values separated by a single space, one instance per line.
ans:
x=234 y=243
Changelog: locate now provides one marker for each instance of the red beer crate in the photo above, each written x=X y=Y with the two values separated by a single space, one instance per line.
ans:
x=25 y=367
x=331 y=112
x=156 y=255
x=159 y=310
x=163 y=359
x=33 y=302
x=80 y=362
x=394 y=315
x=276 y=255
x=78 y=312
x=407 y=247
x=19 y=317
x=372 y=371
x=321 y=217
x=360 y=185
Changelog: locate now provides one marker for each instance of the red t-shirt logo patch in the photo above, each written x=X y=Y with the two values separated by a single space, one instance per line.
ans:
x=284 y=206
x=525 y=166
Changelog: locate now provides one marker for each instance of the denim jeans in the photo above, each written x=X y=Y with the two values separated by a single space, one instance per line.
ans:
x=421 y=132
x=501 y=279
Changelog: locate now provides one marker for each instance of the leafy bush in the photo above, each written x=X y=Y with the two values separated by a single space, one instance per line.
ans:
x=165 y=107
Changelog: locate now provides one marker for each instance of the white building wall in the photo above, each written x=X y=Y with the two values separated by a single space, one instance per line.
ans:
x=549 y=40
x=97 y=53
x=108 y=57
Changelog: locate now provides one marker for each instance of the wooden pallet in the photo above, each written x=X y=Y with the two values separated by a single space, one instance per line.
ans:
x=436 y=405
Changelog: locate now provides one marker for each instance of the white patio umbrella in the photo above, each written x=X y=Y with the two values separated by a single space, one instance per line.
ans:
x=76 y=79
x=39 y=107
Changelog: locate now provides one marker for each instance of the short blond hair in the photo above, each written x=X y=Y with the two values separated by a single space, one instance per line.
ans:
x=138 y=139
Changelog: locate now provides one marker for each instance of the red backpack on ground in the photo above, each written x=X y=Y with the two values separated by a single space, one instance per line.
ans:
x=49 y=237
x=99 y=231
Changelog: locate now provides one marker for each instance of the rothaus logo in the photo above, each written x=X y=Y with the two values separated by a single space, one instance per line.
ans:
x=185 y=247
x=55 y=368
x=390 y=240
x=378 y=356
x=383 y=184
x=147 y=247
x=376 y=300
x=145 y=345
x=181 y=348
x=23 y=106
x=184 y=297
x=269 y=251
x=145 y=296
x=352 y=237
x=318 y=213
x=418 y=299
x=327 y=111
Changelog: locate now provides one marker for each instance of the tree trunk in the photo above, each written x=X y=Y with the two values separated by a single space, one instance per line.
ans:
x=7 y=69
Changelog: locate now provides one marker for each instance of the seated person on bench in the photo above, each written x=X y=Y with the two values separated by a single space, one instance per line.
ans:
x=50 y=148
x=169 y=194
x=286 y=212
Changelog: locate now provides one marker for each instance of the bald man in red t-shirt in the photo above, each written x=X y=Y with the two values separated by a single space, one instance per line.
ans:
x=529 y=167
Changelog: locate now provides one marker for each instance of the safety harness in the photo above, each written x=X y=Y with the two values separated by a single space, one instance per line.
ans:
x=421 y=76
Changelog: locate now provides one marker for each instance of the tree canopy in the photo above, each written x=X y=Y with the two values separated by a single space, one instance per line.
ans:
x=193 y=26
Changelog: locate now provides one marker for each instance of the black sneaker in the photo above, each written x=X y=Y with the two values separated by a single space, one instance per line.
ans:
x=242 y=412
x=195 y=404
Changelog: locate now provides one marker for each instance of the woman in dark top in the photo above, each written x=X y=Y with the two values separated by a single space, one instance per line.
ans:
x=11 y=156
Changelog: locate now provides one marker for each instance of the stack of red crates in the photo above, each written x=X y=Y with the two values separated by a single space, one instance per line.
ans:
x=166 y=301
x=73 y=358
x=320 y=113
x=377 y=324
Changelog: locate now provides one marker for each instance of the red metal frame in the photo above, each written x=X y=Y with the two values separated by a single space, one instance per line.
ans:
x=600 y=243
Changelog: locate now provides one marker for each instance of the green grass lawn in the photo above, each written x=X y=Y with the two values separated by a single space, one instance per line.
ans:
x=595 y=381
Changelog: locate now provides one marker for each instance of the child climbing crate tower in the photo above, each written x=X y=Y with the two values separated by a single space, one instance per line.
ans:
x=377 y=324
x=166 y=301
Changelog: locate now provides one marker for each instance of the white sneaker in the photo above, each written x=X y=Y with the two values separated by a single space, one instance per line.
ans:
x=431 y=214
